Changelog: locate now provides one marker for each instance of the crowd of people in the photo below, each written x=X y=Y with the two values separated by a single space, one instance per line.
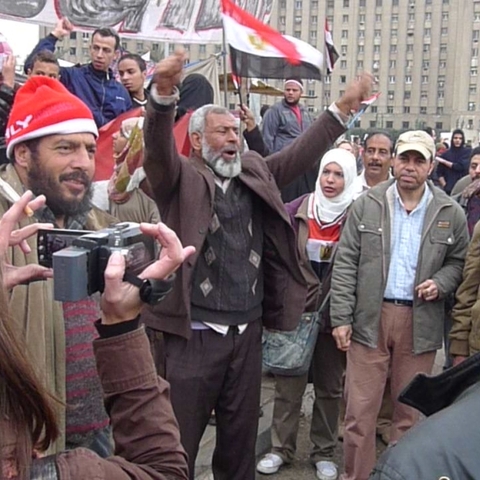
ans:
x=378 y=237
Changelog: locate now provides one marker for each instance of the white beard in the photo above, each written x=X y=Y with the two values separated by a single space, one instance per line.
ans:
x=220 y=166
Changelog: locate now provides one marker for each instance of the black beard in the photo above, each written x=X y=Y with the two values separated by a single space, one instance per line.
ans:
x=292 y=102
x=40 y=183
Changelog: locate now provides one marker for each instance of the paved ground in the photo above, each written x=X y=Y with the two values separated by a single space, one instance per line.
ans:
x=300 y=469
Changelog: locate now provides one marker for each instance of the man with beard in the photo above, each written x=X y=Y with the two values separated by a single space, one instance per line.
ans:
x=401 y=253
x=283 y=123
x=245 y=271
x=377 y=161
x=51 y=145
x=453 y=164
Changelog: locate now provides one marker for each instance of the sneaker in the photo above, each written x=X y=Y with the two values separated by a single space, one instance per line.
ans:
x=269 y=464
x=326 y=470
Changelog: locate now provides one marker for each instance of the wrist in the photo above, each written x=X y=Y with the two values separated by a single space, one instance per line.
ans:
x=344 y=107
x=57 y=35
x=117 y=318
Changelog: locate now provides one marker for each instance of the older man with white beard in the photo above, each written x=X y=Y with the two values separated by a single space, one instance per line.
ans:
x=245 y=271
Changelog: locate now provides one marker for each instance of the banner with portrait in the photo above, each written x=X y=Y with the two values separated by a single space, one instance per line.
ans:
x=179 y=21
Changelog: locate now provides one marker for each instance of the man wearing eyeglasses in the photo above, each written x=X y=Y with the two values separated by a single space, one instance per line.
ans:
x=94 y=82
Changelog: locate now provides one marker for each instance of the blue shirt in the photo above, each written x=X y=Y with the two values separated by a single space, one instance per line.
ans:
x=406 y=237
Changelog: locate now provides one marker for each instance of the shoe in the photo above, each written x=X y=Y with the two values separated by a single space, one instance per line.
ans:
x=269 y=464
x=326 y=470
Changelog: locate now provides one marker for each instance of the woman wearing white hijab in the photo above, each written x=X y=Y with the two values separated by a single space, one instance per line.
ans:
x=318 y=218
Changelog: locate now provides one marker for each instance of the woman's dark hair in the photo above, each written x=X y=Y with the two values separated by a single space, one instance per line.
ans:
x=25 y=406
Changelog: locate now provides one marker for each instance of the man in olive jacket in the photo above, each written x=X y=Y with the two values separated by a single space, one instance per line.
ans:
x=245 y=268
x=401 y=253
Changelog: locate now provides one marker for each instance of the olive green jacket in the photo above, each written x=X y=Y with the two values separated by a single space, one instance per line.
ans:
x=465 y=332
x=362 y=262
x=38 y=317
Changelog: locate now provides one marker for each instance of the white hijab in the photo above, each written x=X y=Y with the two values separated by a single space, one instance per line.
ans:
x=326 y=210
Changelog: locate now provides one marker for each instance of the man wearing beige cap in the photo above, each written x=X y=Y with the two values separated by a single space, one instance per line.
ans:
x=401 y=253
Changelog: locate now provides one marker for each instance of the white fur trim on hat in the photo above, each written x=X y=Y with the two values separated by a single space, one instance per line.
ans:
x=76 y=125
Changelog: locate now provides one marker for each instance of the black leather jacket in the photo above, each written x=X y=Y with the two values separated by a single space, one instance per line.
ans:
x=7 y=96
x=446 y=444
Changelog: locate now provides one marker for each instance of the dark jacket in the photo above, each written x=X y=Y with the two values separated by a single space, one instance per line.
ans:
x=460 y=158
x=105 y=97
x=184 y=191
x=445 y=445
x=279 y=128
x=7 y=95
x=255 y=141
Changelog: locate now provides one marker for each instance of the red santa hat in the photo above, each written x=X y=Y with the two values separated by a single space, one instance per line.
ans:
x=43 y=106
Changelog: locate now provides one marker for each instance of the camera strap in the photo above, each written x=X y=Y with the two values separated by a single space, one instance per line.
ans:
x=151 y=292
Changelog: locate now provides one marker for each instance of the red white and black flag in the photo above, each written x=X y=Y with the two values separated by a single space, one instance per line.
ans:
x=331 y=54
x=259 y=51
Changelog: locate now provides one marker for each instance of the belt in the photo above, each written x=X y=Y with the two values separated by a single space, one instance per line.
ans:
x=399 y=303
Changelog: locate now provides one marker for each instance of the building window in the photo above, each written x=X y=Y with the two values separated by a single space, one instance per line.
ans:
x=442 y=64
x=444 y=31
x=440 y=94
x=395 y=3
x=423 y=110
x=376 y=49
x=408 y=79
x=345 y=19
x=424 y=78
x=314 y=20
x=406 y=125
x=476 y=35
x=344 y=49
x=472 y=89
x=426 y=64
x=124 y=46
x=73 y=51
x=389 y=109
x=343 y=79
x=443 y=48
x=471 y=106
x=377 y=33
x=391 y=94
x=439 y=110
x=389 y=124
x=426 y=47
x=73 y=35
x=85 y=51
x=406 y=109
x=393 y=49
x=361 y=18
x=283 y=3
x=391 y=79
x=407 y=95
x=311 y=93
x=140 y=46
x=428 y=16
x=344 y=33
x=313 y=34
x=438 y=126
x=202 y=49
x=374 y=109
x=343 y=64
x=314 y=4
x=393 y=33
x=408 y=63
x=282 y=20
x=359 y=64
x=361 y=34
x=445 y=2
x=298 y=19
x=427 y=32
x=392 y=64
x=363 y=3
x=298 y=4
x=423 y=95
x=346 y=3
x=360 y=49
x=409 y=47
x=378 y=3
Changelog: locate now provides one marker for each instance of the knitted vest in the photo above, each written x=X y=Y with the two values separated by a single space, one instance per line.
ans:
x=228 y=279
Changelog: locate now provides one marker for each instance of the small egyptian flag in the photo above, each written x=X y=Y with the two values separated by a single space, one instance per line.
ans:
x=331 y=54
x=259 y=51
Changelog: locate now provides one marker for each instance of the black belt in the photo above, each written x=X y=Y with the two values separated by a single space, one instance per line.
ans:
x=401 y=303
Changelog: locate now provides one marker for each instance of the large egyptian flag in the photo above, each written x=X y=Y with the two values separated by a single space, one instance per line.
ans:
x=259 y=51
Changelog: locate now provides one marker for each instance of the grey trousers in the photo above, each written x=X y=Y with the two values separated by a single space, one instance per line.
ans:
x=328 y=366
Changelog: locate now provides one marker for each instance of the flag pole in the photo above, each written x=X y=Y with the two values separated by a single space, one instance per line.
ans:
x=225 y=74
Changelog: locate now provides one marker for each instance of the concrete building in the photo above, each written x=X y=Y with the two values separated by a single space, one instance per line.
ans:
x=423 y=52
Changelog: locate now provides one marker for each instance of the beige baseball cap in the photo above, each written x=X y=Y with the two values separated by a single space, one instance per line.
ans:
x=417 y=140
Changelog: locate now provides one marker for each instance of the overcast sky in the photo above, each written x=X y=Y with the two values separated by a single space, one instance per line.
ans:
x=22 y=37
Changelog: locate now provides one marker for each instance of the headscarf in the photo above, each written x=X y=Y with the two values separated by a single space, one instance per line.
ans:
x=129 y=171
x=327 y=210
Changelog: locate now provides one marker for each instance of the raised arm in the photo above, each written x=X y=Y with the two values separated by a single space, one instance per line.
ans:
x=162 y=161
x=309 y=147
